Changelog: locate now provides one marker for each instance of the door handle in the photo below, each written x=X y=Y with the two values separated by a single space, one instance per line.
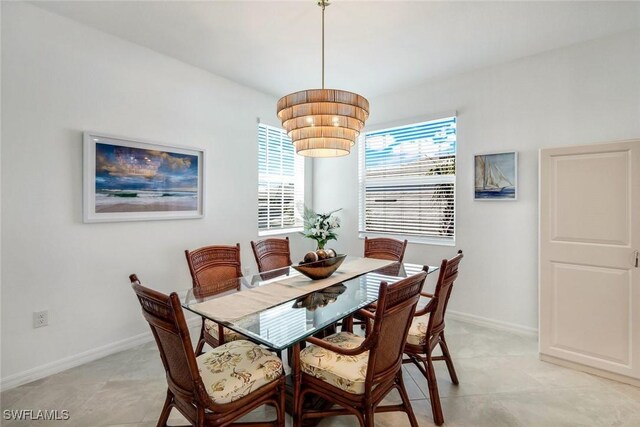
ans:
x=637 y=253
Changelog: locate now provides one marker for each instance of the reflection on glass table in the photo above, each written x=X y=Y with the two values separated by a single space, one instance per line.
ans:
x=320 y=298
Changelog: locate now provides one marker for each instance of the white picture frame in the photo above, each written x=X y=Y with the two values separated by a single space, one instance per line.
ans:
x=129 y=179
x=496 y=176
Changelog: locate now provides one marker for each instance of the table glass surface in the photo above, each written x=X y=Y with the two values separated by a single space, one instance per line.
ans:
x=281 y=326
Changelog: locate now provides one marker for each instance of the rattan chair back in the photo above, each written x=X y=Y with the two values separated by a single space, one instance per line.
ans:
x=215 y=264
x=396 y=306
x=444 y=286
x=384 y=248
x=271 y=254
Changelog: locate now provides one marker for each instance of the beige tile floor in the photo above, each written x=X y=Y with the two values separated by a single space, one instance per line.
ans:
x=502 y=383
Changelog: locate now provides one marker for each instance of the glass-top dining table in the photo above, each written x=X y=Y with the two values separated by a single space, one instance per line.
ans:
x=288 y=323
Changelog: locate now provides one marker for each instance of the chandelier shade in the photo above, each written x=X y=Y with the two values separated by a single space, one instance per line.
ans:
x=323 y=122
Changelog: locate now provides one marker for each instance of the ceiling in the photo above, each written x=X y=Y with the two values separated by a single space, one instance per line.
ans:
x=371 y=47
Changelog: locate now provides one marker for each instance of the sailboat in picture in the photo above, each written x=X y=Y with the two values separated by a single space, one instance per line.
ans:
x=495 y=176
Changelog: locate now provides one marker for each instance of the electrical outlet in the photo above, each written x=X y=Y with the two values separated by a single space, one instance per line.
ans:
x=40 y=318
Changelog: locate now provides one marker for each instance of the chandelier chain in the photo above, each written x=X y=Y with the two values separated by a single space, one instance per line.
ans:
x=323 y=4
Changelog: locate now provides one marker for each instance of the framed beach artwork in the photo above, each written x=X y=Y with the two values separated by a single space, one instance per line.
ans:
x=132 y=180
x=496 y=176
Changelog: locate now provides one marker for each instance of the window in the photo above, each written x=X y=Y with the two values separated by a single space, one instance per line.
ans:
x=407 y=182
x=280 y=182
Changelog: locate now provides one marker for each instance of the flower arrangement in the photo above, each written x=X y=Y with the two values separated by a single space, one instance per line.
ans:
x=321 y=227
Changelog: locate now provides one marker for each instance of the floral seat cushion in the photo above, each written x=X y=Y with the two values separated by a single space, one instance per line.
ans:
x=344 y=372
x=235 y=369
x=212 y=328
x=418 y=330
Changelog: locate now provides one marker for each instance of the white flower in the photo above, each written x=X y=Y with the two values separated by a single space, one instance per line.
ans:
x=320 y=226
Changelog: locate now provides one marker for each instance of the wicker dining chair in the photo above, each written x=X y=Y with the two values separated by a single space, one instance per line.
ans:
x=356 y=373
x=271 y=254
x=427 y=333
x=379 y=248
x=385 y=248
x=217 y=267
x=217 y=387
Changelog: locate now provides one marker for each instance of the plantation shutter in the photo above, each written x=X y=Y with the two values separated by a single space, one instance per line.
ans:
x=407 y=181
x=280 y=182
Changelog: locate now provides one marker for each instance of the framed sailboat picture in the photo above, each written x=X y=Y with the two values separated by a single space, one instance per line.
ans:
x=496 y=176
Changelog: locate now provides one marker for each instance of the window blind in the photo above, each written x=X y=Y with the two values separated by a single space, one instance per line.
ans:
x=280 y=182
x=407 y=180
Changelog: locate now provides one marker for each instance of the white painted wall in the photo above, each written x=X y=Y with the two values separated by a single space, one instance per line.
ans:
x=59 y=79
x=582 y=94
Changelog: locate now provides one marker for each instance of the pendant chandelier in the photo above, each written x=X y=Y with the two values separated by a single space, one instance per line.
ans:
x=323 y=122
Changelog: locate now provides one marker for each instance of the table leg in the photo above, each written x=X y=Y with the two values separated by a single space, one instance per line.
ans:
x=347 y=324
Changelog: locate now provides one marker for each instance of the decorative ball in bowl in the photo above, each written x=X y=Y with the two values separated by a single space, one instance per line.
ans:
x=322 y=269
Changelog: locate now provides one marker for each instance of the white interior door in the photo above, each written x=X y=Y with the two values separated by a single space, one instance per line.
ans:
x=589 y=234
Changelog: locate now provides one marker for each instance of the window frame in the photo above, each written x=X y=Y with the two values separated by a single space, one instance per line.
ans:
x=425 y=240
x=303 y=173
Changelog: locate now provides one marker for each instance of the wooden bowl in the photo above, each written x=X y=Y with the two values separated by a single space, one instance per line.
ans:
x=320 y=269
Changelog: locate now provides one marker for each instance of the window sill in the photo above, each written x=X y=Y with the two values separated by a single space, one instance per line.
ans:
x=411 y=239
x=279 y=231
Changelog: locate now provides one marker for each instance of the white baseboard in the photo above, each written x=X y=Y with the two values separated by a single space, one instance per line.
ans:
x=69 y=362
x=491 y=323
x=590 y=370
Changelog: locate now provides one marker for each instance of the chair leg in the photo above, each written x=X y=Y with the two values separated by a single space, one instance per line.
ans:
x=448 y=360
x=200 y=346
x=405 y=401
x=166 y=410
x=283 y=404
x=368 y=417
x=434 y=396
x=200 y=418
x=297 y=413
x=201 y=341
x=281 y=414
